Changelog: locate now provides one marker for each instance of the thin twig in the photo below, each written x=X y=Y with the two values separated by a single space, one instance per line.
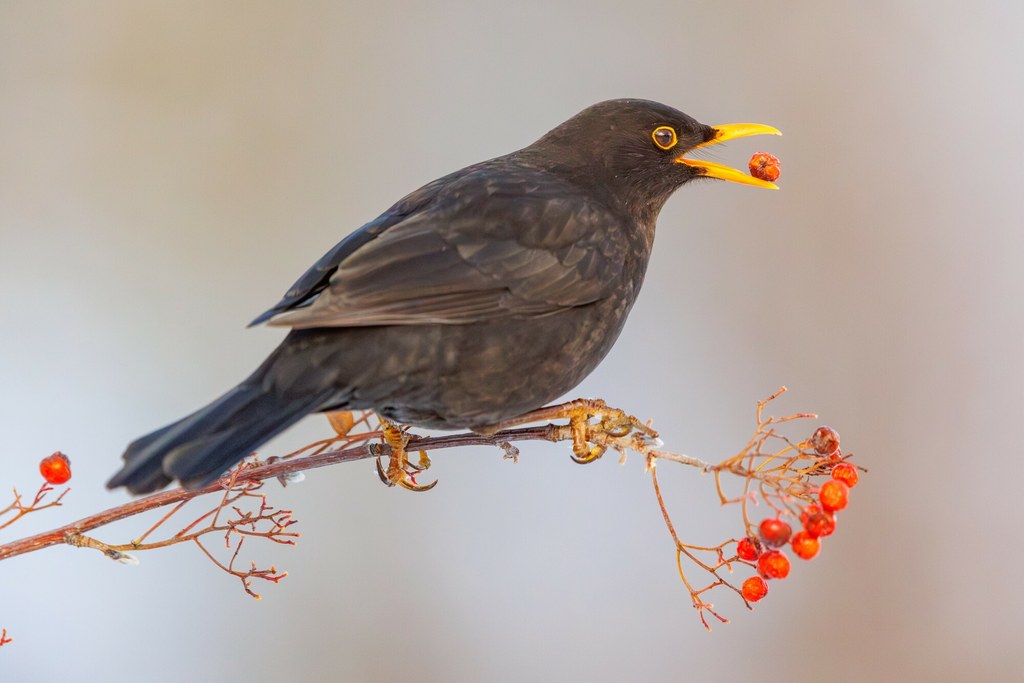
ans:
x=69 y=532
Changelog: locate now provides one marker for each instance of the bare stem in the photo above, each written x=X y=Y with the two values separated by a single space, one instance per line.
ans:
x=70 y=533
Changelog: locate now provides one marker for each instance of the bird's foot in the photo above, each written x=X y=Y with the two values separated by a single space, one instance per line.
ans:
x=594 y=426
x=399 y=471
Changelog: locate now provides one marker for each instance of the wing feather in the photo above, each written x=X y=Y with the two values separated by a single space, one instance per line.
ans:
x=487 y=245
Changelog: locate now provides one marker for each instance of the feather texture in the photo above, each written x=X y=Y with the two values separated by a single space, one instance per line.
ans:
x=481 y=246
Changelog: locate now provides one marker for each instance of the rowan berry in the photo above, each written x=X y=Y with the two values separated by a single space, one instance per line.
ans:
x=817 y=522
x=825 y=440
x=834 y=495
x=805 y=546
x=846 y=473
x=775 y=532
x=764 y=166
x=754 y=589
x=56 y=468
x=748 y=549
x=773 y=565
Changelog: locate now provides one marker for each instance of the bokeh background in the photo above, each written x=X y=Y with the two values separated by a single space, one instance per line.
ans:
x=168 y=169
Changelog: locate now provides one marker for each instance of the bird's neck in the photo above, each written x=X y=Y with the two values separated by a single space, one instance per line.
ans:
x=623 y=193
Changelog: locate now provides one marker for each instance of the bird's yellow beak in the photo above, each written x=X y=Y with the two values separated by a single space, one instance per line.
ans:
x=730 y=131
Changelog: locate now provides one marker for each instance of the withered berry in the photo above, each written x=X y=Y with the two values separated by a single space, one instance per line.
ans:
x=825 y=440
x=764 y=166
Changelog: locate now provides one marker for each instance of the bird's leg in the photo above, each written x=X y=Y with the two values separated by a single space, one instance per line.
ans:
x=399 y=470
x=589 y=438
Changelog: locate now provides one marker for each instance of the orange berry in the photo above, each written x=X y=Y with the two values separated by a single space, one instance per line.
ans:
x=834 y=495
x=754 y=589
x=775 y=532
x=805 y=546
x=56 y=468
x=773 y=565
x=764 y=166
x=817 y=522
x=846 y=473
x=821 y=524
x=825 y=440
x=748 y=549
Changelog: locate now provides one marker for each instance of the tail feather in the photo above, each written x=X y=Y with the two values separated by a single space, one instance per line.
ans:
x=200 y=447
x=148 y=481
x=202 y=460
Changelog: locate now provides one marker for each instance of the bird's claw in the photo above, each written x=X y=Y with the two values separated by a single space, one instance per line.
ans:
x=593 y=426
x=591 y=439
x=382 y=474
x=588 y=455
x=410 y=484
x=399 y=471
x=582 y=450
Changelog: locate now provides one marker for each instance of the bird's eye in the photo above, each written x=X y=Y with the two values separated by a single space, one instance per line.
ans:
x=665 y=137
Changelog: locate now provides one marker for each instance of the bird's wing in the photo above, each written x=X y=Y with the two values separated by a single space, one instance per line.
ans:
x=486 y=245
x=318 y=277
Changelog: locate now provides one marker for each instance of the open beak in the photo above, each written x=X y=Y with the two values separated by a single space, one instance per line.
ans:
x=731 y=131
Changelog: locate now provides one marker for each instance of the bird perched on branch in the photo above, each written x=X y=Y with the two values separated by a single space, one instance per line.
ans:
x=480 y=297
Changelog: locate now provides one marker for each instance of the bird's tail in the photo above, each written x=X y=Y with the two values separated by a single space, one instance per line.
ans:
x=199 y=448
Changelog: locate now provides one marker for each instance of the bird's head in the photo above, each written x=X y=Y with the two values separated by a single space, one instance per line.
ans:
x=638 y=148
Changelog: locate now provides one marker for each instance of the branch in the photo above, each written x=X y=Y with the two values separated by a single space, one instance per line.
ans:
x=20 y=509
x=773 y=469
x=72 y=533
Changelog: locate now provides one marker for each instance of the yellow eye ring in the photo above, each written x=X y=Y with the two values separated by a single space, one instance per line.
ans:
x=664 y=137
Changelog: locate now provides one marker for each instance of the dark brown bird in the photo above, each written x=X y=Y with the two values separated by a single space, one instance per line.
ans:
x=481 y=296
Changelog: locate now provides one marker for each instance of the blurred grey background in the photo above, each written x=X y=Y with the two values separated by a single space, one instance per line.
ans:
x=168 y=169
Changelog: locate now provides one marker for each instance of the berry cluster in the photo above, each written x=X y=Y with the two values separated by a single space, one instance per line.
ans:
x=818 y=520
x=781 y=474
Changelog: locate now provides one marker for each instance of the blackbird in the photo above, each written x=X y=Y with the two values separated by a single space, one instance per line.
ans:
x=481 y=296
